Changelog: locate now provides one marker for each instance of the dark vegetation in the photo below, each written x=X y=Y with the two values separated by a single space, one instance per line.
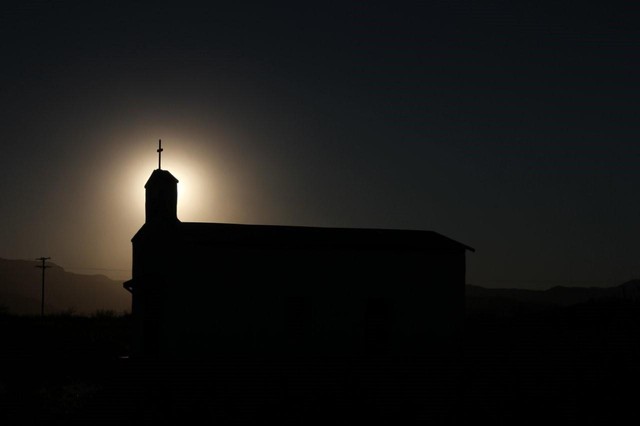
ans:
x=522 y=362
x=532 y=364
x=51 y=367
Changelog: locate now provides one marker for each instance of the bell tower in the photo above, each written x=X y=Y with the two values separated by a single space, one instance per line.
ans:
x=161 y=195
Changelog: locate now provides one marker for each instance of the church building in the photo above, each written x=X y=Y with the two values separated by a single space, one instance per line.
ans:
x=203 y=290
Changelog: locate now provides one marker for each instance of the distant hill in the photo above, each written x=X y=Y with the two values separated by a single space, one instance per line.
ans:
x=86 y=294
x=509 y=300
x=20 y=287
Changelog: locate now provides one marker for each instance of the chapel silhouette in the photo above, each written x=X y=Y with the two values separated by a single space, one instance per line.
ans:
x=202 y=290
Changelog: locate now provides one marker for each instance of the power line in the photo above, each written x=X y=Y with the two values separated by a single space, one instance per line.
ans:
x=96 y=269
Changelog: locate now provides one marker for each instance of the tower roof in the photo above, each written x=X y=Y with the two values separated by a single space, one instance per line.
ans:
x=159 y=177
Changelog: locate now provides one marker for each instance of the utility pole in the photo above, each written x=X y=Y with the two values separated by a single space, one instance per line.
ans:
x=43 y=267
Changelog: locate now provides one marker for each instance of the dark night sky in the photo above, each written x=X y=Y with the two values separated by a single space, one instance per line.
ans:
x=510 y=126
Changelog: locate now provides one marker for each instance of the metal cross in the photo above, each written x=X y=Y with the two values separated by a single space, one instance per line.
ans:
x=159 y=151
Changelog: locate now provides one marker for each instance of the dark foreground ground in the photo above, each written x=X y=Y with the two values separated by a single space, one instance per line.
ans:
x=574 y=365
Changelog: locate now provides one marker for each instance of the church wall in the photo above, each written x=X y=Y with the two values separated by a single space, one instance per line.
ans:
x=275 y=300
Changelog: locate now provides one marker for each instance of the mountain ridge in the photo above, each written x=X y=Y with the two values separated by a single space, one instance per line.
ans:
x=510 y=300
x=20 y=290
x=20 y=287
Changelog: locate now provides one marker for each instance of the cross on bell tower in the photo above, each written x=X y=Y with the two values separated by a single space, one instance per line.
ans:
x=161 y=194
x=159 y=151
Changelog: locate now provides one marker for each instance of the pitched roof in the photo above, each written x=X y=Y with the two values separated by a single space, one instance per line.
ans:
x=315 y=237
